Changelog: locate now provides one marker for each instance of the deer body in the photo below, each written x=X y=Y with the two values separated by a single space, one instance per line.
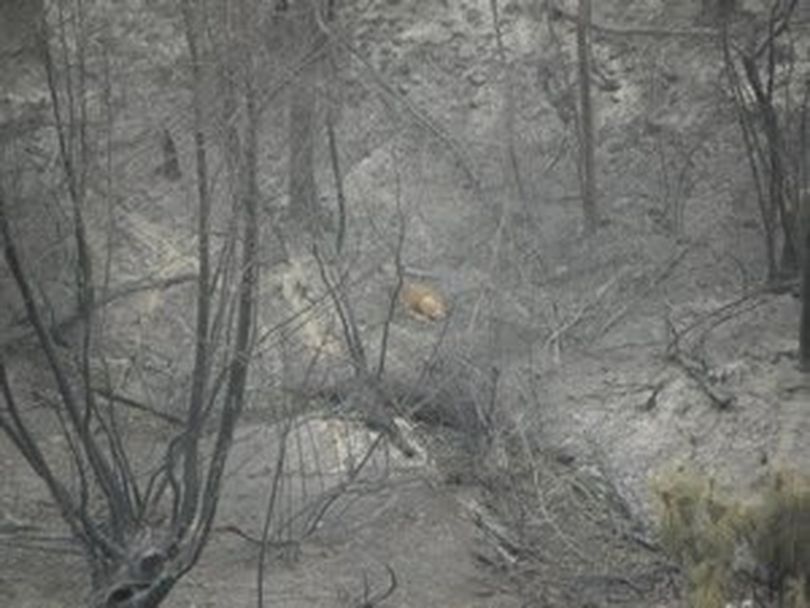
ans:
x=423 y=301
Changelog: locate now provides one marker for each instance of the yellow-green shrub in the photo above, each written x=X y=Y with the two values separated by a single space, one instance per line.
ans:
x=702 y=529
x=780 y=535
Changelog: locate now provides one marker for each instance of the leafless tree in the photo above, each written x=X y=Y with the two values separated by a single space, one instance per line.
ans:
x=767 y=124
x=141 y=534
x=773 y=112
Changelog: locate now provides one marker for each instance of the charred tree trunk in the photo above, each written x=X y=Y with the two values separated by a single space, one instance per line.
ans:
x=804 y=326
x=303 y=191
x=586 y=143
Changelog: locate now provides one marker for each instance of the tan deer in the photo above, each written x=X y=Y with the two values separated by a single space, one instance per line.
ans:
x=423 y=301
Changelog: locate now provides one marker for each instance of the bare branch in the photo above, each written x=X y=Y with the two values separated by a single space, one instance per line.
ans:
x=111 y=487
x=400 y=280
x=137 y=405
x=199 y=374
